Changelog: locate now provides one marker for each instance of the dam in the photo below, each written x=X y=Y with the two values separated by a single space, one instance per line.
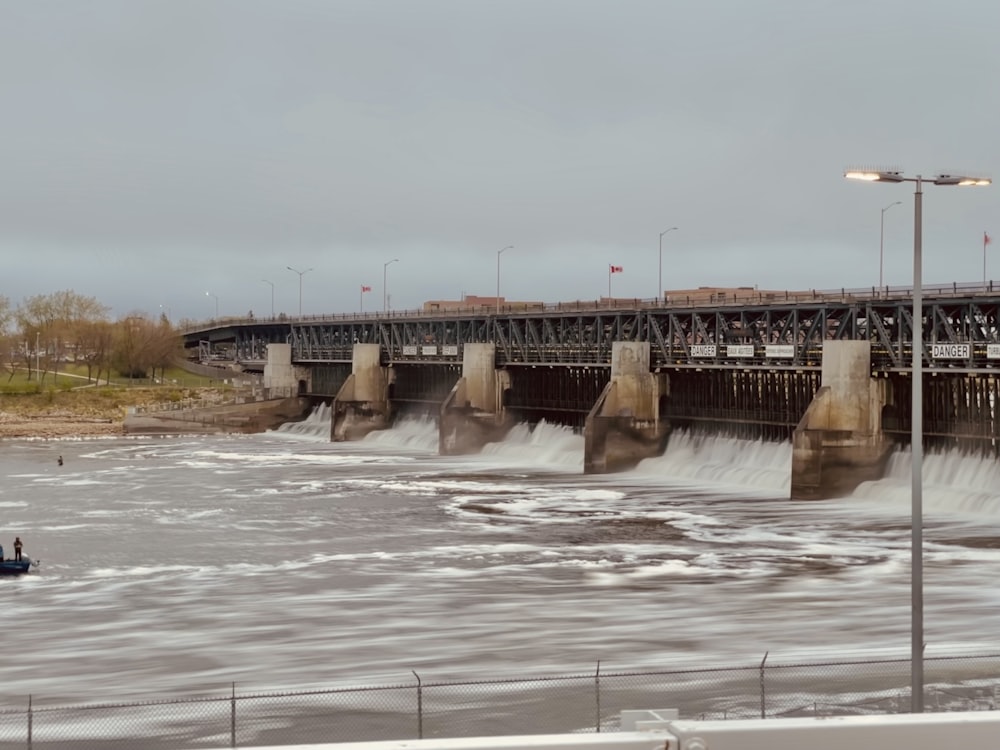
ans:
x=828 y=371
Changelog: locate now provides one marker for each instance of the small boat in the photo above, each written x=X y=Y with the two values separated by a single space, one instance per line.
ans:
x=12 y=567
x=16 y=567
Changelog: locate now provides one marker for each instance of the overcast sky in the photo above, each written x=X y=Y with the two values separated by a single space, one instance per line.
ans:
x=151 y=152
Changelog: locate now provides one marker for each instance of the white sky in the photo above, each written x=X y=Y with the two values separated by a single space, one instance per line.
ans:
x=152 y=151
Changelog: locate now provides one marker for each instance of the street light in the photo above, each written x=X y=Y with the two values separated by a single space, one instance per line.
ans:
x=659 y=283
x=385 y=278
x=301 y=274
x=916 y=420
x=271 y=284
x=209 y=294
x=499 y=253
x=881 y=241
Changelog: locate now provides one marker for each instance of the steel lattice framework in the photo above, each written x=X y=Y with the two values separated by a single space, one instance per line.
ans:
x=960 y=332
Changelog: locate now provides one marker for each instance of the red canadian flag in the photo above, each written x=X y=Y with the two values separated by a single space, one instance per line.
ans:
x=986 y=240
x=616 y=269
x=365 y=288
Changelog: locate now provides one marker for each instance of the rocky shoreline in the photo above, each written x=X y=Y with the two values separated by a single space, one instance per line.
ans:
x=90 y=412
x=140 y=412
x=55 y=427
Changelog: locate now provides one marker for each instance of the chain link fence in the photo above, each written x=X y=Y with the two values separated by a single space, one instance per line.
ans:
x=571 y=703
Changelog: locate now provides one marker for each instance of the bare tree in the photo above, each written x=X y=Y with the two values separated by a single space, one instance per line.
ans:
x=142 y=345
x=167 y=346
x=53 y=324
x=6 y=315
x=94 y=344
x=13 y=354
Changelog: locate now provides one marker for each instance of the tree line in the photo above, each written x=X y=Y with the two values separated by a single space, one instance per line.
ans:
x=48 y=331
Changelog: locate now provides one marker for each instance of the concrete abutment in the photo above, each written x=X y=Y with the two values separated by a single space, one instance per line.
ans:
x=282 y=379
x=625 y=424
x=362 y=404
x=839 y=442
x=473 y=414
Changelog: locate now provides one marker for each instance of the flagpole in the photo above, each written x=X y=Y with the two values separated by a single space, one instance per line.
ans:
x=986 y=241
x=609 y=283
x=361 y=303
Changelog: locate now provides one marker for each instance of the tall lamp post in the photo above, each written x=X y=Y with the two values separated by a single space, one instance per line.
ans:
x=916 y=420
x=301 y=274
x=385 y=281
x=209 y=294
x=881 y=241
x=499 y=253
x=659 y=279
x=270 y=284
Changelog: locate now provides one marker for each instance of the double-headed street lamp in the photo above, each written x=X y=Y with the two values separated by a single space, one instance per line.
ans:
x=499 y=253
x=881 y=241
x=385 y=281
x=659 y=278
x=301 y=274
x=916 y=419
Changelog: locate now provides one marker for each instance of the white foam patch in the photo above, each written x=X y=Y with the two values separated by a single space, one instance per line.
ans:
x=544 y=446
x=747 y=466
x=952 y=483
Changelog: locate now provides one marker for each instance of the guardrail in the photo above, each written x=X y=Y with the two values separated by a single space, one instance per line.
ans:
x=421 y=708
x=729 y=298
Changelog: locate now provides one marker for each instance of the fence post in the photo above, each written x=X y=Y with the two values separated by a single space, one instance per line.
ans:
x=420 y=707
x=232 y=718
x=597 y=695
x=763 y=709
x=31 y=718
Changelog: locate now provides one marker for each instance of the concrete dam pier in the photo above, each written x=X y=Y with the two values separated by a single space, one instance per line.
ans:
x=835 y=424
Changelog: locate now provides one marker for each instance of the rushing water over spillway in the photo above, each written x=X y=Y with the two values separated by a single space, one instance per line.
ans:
x=185 y=564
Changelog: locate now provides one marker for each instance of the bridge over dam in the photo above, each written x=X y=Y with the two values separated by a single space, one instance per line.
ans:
x=829 y=371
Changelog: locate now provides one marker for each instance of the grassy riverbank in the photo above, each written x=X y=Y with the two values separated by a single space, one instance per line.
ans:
x=72 y=407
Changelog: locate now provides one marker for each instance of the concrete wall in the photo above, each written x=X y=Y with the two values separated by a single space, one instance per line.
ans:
x=279 y=375
x=839 y=443
x=847 y=373
x=480 y=376
x=369 y=378
x=282 y=379
x=254 y=416
x=624 y=426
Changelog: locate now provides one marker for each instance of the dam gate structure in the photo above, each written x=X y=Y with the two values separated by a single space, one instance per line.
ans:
x=827 y=371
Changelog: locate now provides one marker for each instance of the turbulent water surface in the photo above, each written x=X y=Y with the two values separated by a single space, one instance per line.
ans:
x=181 y=565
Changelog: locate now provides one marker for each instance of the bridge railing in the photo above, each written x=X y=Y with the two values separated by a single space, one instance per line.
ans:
x=709 y=298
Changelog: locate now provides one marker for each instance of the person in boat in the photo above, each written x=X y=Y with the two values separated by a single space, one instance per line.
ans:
x=17 y=548
x=59 y=460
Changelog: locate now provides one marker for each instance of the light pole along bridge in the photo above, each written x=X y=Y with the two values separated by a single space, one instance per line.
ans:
x=828 y=370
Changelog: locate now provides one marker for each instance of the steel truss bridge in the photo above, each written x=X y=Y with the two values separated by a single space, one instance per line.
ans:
x=961 y=332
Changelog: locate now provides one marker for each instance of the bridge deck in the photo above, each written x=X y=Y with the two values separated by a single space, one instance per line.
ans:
x=961 y=331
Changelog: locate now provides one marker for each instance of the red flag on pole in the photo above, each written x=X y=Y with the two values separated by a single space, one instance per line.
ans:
x=986 y=240
x=365 y=288
x=616 y=269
